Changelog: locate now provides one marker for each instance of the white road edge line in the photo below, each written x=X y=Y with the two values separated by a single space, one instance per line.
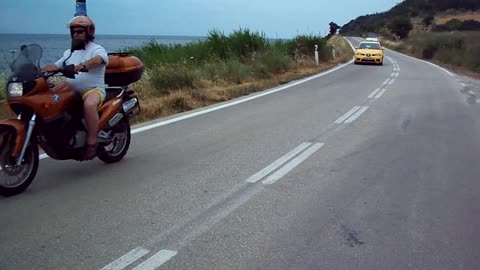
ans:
x=156 y=260
x=356 y=115
x=348 y=114
x=292 y=164
x=279 y=162
x=126 y=259
x=381 y=93
x=226 y=105
x=437 y=66
x=374 y=93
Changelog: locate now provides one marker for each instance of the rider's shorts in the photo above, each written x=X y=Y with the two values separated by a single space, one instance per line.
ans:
x=99 y=92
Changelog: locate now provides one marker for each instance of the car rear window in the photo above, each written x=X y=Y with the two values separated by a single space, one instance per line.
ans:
x=369 y=46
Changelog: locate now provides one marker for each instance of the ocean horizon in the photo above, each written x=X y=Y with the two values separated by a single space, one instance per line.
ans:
x=55 y=44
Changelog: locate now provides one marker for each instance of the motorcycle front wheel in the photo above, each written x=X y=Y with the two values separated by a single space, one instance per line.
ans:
x=118 y=147
x=14 y=179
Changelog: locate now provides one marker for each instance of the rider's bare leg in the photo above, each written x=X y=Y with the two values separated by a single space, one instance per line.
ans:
x=90 y=105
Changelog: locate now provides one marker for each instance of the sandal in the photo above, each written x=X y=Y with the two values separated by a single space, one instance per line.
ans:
x=90 y=151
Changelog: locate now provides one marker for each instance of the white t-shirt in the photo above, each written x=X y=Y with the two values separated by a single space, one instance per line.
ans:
x=95 y=77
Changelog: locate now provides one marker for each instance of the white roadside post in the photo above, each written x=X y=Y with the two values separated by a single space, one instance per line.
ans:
x=333 y=51
x=316 y=55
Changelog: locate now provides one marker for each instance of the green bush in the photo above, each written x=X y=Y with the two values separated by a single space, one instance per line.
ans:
x=213 y=71
x=270 y=62
x=455 y=48
x=174 y=76
x=239 y=45
x=3 y=85
x=401 y=26
x=235 y=71
x=305 y=45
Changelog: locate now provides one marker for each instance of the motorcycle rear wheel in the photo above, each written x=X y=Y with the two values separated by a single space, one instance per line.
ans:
x=118 y=148
x=15 y=179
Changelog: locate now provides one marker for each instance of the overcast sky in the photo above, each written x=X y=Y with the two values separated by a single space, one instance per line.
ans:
x=275 y=18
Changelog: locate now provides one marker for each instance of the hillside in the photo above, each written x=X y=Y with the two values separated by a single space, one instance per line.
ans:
x=423 y=15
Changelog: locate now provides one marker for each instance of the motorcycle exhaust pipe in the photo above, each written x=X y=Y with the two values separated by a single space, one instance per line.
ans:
x=129 y=105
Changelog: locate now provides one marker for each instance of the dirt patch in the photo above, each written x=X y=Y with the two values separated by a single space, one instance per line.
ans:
x=443 y=19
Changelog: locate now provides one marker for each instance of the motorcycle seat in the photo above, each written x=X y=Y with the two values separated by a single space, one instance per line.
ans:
x=112 y=92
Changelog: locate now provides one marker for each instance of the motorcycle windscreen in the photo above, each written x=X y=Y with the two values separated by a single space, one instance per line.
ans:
x=27 y=64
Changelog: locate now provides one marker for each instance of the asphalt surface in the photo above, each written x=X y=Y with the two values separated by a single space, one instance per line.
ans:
x=365 y=167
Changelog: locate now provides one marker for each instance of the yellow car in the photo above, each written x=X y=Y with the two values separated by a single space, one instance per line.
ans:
x=369 y=52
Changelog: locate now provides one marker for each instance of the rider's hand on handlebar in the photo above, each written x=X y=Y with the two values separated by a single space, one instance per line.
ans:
x=80 y=68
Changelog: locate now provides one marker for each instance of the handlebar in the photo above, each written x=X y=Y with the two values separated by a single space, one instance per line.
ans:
x=67 y=71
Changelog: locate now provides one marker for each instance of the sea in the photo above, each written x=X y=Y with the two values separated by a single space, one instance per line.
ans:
x=54 y=45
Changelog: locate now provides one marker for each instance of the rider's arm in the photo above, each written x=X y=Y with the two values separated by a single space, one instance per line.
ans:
x=94 y=62
x=50 y=67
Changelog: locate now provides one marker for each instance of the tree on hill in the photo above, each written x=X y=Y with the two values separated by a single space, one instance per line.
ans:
x=401 y=26
x=333 y=29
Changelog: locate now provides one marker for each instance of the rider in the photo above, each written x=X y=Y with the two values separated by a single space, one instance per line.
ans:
x=90 y=84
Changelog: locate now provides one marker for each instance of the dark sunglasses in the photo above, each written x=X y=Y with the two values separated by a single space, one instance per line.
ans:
x=79 y=32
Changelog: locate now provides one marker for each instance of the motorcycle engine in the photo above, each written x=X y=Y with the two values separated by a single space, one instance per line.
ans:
x=79 y=139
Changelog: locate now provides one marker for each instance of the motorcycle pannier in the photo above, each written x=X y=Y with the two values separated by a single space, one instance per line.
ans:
x=123 y=69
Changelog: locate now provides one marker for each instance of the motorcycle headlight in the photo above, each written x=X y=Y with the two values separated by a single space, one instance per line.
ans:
x=15 y=89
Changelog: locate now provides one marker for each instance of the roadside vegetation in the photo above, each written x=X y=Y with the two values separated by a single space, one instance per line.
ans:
x=454 y=49
x=179 y=78
x=222 y=67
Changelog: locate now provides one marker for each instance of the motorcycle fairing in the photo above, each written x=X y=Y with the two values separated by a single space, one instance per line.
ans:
x=20 y=134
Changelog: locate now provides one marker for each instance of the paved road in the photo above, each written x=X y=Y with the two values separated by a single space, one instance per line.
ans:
x=365 y=167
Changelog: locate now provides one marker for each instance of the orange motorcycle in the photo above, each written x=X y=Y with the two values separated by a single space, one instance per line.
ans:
x=50 y=116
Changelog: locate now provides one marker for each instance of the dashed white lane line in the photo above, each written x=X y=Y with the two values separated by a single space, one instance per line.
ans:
x=385 y=82
x=374 y=93
x=126 y=259
x=292 y=164
x=156 y=260
x=279 y=162
x=356 y=115
x=380 y=93
x=463 y=84
x=347 y=115
x=392 y=81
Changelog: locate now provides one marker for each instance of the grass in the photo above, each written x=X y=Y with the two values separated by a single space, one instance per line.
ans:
x=179 y=78
x=455 y=49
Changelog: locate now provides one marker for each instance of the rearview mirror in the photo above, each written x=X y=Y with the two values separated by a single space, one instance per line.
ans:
x=383 y=48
